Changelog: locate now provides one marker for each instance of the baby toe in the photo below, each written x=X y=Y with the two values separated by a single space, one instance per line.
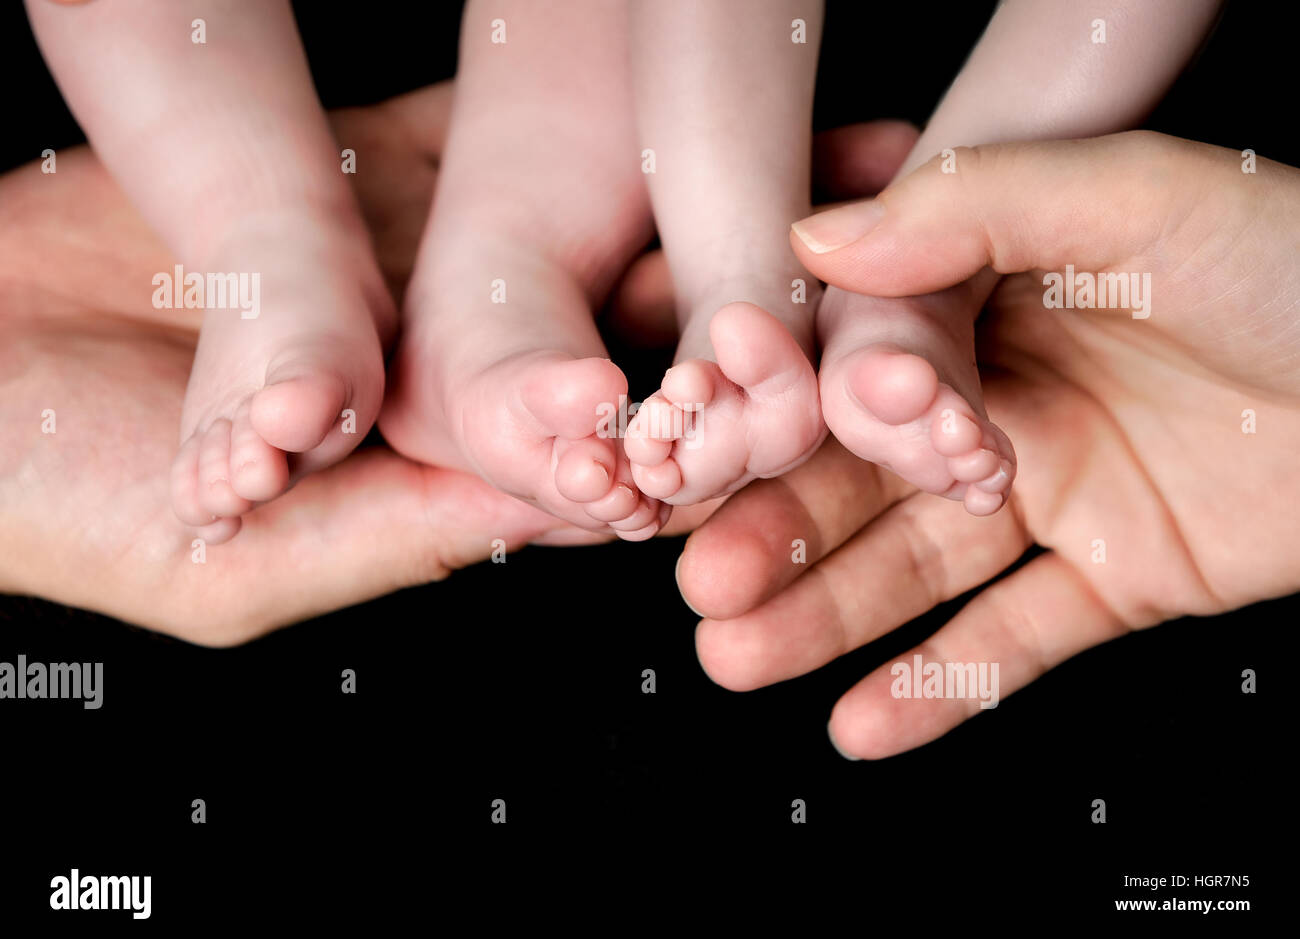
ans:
x=216 y=494
x=185 y=484
x=658 y=482
x=584 y=469
x=973 y=466
x=259 y=471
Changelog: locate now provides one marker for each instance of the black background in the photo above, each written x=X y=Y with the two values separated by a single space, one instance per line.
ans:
x=523 y=681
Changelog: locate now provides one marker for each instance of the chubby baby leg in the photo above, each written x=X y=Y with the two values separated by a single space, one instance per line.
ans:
x=210 y=123
x=723 y=95
x=500 y=369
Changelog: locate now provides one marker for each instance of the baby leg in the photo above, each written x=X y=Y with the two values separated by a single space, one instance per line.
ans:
x=225 y=149
x=723 y=95
x=899 y=383
x=539 y=206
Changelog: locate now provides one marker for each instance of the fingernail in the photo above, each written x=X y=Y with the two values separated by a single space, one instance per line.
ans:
x=852 y=759
x=835 y=228
x=677 y=576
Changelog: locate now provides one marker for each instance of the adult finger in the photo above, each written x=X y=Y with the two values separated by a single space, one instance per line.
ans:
x=424 y=115
x=773 y=530
x=921 y=552
x=860 y=159
x=642 y=309
x=1016 y=630
x=373 y=524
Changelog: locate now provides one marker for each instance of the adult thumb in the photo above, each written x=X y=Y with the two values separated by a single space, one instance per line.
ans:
x=1013 y=207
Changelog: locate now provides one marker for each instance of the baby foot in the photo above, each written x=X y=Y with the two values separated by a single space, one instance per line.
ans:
x=285 y=393
x=540 y=206
x=897 y=390
x=529 y=424
x=532 y=421
x=713 y=427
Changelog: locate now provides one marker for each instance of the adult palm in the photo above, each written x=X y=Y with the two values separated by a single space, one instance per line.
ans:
x=91 y=383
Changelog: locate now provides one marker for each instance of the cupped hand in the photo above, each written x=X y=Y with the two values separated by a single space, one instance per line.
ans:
x=91 y=382
x=1157 y=454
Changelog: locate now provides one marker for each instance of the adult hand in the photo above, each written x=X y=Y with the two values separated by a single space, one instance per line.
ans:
x=1157 y=455
x=91 y=383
